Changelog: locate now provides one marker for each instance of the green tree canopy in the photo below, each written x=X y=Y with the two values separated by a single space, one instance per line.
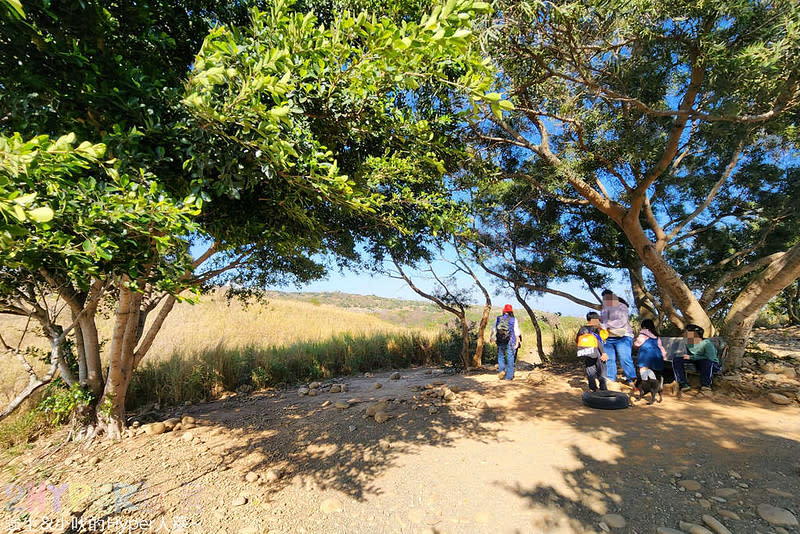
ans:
x=289 y=139
x=653 y=112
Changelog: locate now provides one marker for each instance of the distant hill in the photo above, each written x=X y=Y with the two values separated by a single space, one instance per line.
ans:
x=410 y=313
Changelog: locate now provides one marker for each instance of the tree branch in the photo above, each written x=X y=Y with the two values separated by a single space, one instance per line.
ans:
x=423 y=294
x=711 y=194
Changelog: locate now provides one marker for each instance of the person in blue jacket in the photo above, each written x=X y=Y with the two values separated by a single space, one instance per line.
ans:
x=507 y=335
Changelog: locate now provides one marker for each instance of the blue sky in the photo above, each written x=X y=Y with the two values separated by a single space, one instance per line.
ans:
x=385 y=286
x=382 y=285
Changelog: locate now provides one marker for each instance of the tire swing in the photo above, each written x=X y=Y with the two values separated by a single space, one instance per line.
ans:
x=606 y=400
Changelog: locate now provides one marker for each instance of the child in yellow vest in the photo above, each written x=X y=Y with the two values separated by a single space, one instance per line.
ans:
x=590 y=347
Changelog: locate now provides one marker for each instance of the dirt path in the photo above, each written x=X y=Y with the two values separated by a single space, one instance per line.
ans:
x=521 y=456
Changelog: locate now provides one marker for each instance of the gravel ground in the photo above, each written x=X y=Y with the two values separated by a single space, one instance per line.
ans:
x=450 y=453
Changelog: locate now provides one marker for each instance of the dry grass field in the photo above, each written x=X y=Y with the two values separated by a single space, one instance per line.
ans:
x=215 y=323
x=216 y=345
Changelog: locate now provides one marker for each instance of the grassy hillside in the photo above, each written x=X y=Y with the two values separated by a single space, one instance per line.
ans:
x=415 y=313
x=283 y=320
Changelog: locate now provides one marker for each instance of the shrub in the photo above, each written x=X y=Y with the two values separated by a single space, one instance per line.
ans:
x=205 y=374
x=62 y=405
x=563 y=349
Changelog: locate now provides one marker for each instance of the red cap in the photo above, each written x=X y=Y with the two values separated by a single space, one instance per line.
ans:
x=507 y=308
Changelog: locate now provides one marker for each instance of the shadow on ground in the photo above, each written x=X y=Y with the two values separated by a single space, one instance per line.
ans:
x=579 y=463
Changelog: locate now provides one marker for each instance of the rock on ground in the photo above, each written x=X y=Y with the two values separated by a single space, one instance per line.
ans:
x=693 y=528
x=382 y=417
x=614 y=520
x=154 y=429
x=330 y=506
x=691 y=485
x=776 y=516
x=715 y=525
x=777 y=398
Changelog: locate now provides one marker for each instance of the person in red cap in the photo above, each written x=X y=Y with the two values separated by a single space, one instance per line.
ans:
x=507 y=335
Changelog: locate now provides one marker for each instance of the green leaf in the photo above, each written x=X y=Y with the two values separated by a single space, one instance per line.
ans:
x=41 y=215
x=15 y=6
x=280 y=112
x=24 y=200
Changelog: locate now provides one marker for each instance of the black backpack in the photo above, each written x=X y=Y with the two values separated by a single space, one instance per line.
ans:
x=503 y=334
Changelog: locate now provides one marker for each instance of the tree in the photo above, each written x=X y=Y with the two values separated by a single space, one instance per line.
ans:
x=457 y=301
x=272 y=115
x=107 y=234
x=622 y=101
x=450 y=299
x=788 y=303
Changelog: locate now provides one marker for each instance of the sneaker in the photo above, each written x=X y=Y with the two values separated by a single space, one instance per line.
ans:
x=705 y=388
x=501 y=375
x=685 y=387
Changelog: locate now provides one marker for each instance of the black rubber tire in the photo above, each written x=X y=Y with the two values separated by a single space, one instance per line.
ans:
x=606 y=400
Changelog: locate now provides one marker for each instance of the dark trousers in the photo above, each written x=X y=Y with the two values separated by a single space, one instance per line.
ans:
x=704 y=367
x=596 y=370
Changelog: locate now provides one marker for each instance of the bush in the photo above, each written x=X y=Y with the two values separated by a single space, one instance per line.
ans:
x=563 y=349
x=770 y=318
x=206 y=374
x=452 y=342
x=62 y=405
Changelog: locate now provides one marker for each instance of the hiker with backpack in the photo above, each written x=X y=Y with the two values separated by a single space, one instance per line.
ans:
x=507 y=335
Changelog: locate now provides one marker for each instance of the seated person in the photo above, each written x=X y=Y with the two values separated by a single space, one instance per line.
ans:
x=702 y=353
x=651 y=352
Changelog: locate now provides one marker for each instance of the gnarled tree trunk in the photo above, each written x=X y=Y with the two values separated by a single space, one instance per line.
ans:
x=641 y=299
x=465 y=341
x=744 y=310
x=477 y=358
x=111 y=406
x=669 y=281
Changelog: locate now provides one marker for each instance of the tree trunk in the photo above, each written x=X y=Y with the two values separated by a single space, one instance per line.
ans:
x=111 y=408
x=792 y=294
x=63 y=365
x=532 y=315
x=639 y=291
x=110 y=411
x=668 y=280
x=744 y=310
x=91 y=346
x=477 y=359
x=737 y=333
x=147 y=342
x=87 y=342
x=464 y=340
x=34 y=383
x=80 y=354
